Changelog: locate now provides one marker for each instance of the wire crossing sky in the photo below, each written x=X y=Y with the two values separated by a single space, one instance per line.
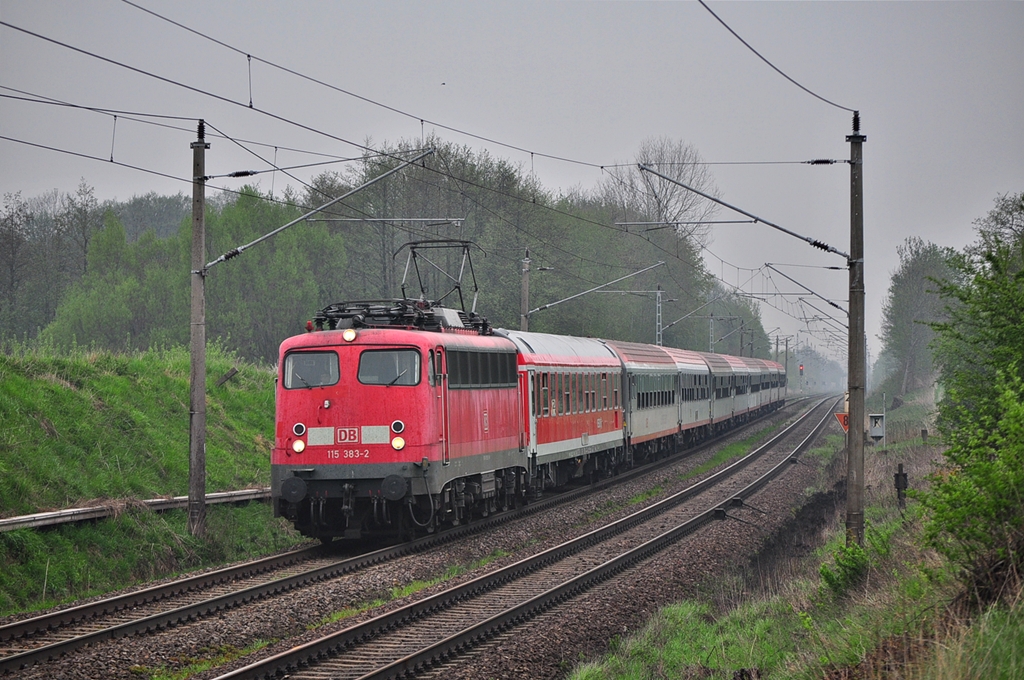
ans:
x=940 y=86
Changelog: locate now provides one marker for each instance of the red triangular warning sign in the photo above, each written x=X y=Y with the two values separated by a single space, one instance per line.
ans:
x=844 y=420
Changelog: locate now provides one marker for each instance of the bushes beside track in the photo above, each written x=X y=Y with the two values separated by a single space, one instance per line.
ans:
x=895 y=608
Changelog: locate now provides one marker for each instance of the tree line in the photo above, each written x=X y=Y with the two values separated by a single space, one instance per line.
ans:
x=955 y=318
x=115 y=275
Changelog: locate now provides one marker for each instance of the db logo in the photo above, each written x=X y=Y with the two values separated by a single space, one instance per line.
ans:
x=348 y=435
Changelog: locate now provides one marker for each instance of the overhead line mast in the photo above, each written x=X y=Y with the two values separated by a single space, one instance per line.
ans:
x=857 y=370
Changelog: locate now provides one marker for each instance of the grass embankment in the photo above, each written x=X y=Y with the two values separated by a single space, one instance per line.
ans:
x=96 y=425
x=878 y=612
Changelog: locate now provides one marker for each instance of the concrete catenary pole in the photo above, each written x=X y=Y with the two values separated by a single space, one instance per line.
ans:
x=197 y=345
x=857 y=369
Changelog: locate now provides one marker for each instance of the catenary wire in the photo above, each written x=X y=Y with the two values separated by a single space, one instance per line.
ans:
x=34 y=98
x=270 y=114
x=776 y=68
x=238 y=103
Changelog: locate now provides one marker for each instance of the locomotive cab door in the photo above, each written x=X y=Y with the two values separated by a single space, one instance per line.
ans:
x=441 y=389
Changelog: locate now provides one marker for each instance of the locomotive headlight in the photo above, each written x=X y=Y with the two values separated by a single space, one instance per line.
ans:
x=298 y=446
x=349 y=334
x=398 y=443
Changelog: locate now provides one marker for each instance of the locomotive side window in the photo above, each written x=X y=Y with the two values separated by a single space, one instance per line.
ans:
x=310 y=369
x=499 y=373
x=468 y=369
x=389 y=367
x=484 y=375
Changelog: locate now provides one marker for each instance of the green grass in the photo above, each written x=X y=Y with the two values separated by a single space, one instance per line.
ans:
x=737 y=450
x=89 y=425
x=39 y=569
x=994 y=647
x=97 y=425
x=398 y=592
x=728 y=453
x=686 y=640
x=195 y=665
x=645 y=495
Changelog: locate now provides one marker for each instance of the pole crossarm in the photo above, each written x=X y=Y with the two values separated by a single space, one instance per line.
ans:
x=825 y=299
x=655 y=226
x=431 y=221
x=603 y=285
x=686 y=316
x=728 y=334
x=814 y=243
x=821 y=311
x=235 y=252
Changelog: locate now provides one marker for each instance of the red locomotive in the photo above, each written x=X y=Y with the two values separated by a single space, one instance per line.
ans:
x=397 y=415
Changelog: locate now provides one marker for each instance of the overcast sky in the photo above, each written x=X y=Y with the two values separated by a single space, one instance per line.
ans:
x=940 y=88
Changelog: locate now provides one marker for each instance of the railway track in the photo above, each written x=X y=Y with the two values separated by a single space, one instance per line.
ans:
x=40 y=639
x=430 y=631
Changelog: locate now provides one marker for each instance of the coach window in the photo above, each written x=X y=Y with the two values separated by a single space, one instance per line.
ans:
x=389 y=367
x=310 y=369
x=545 y=394
x=584 y=393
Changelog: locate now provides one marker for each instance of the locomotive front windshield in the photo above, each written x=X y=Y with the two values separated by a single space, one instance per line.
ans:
x=389 y=367
x=310 y=369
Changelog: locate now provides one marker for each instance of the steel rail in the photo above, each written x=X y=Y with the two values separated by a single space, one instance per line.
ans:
x=472 y=636
x=210 y=606
x=335 y=643
x=103 y=510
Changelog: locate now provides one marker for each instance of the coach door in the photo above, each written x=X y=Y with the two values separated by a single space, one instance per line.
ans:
x=528 y=401
x=441 y=387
